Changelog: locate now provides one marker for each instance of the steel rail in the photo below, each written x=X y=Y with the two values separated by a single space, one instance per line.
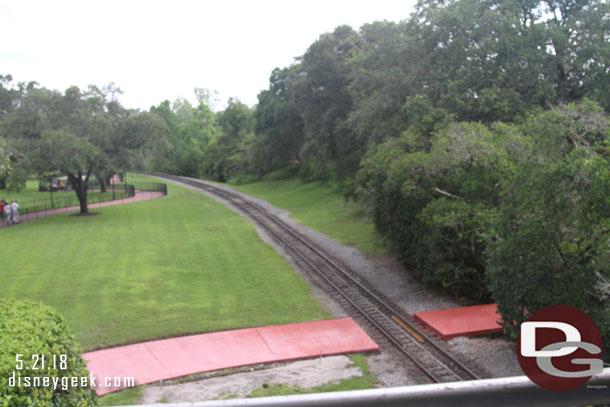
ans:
x=414 y=334
x=394 y=314
x=348 y=298
x=380 y=303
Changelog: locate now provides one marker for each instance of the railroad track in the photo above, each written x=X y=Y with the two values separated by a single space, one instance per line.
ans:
x=400 y=330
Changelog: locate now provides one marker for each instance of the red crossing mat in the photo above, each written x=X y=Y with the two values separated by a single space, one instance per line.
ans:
x=164 y=359
x=466 y=321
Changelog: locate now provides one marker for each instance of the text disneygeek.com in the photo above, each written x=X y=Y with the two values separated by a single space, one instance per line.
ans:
x=64 y=383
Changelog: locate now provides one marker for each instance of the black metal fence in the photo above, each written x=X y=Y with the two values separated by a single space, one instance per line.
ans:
x=151 y=187
x=67 y=199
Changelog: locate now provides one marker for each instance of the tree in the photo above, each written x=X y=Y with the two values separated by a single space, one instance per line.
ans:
x=75 y=140
x=76 y=133
x=189 y=130
x=489 y=60
x=278 y=122
x=324 y=102
x=236 y=121
x=380 y=82
x=4 y=163
x=579 y=48
x=140 y=137
x=481 y=60
x=550 y=241
x=436 y=204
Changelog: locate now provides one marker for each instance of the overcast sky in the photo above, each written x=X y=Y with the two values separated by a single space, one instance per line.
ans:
x=157 y=50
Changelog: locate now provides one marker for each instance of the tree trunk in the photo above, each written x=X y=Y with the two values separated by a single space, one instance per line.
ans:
x=103 y=179
x=80 y=187
x=103 y=184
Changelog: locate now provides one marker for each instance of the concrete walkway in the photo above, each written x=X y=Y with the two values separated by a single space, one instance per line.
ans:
x=149 y=362
x=139 y=196
x=466 y=321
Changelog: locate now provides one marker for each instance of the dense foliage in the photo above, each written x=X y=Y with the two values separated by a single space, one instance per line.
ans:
x=518 y=213
x=463 y=60
x=435 y=204
x=34 y=331
x=550 y=243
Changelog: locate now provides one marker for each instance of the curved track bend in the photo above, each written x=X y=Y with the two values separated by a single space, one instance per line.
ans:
x=399 y=329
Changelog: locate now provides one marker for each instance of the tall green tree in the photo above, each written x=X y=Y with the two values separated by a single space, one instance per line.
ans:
x=579 y=48
x=482 y=60
x=189 y=130
x=489 y=60
x=381 y=79
x=279 y=124
x=325 y=103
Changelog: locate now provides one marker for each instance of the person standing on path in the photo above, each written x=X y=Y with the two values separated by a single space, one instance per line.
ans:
x=7 y=213
x=15 y=211
x=2 y=203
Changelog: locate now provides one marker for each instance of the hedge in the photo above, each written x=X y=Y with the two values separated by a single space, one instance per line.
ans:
x=30 y=334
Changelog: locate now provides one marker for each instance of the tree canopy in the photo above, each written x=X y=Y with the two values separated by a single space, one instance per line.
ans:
x=78 y=134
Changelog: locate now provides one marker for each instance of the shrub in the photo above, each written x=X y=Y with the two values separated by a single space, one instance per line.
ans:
x=36 y=331
x=436 y=206
x=553 y=241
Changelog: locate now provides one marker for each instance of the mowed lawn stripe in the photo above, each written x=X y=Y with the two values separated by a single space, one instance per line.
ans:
x=177 y=265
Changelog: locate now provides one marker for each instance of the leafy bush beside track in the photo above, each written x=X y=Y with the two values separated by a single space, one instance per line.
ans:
x=436 y=206
x=518 y=214
x=551 y=239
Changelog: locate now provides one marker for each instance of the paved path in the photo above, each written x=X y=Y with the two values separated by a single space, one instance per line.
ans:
x=139 y=196
x=149 y=362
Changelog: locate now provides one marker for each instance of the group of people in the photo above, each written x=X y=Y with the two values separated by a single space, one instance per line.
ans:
x=10 y=212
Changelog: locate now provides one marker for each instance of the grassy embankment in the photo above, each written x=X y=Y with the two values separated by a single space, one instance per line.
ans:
x=321 y=207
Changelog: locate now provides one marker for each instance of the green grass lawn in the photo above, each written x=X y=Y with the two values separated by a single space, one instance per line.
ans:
x=30 y=192
x=172 y=266
x=322 y=208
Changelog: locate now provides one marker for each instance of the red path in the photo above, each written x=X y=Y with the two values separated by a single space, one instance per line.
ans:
x=164 y=359
x=466 y=321
x=139 y=196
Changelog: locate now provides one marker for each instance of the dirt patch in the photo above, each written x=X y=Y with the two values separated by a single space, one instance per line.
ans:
x=87 y=214
x=305 y=374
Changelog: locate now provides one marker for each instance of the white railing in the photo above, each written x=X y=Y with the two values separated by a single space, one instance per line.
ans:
x=507 y=391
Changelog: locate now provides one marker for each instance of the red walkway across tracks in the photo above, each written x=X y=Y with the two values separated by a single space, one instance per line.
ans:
x=149 y=362
x=466 y=321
